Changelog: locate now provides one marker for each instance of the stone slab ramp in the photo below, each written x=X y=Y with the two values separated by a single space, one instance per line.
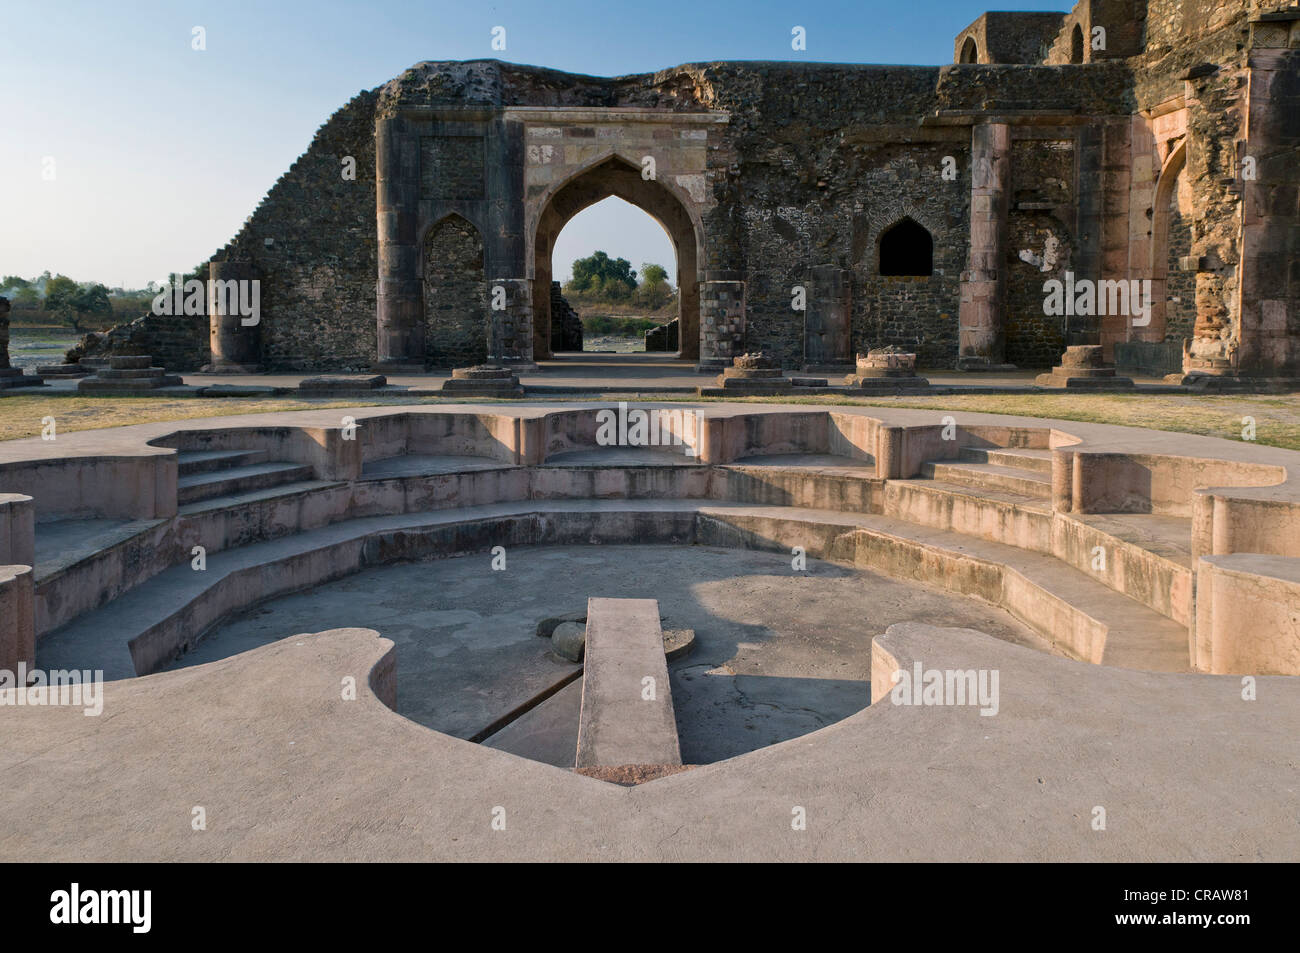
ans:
x=627 y=716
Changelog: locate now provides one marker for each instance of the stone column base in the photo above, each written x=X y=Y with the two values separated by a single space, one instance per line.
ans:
x=1082 y=367
x=1074 y=378
x=483 y=381
x=128 y=374
x=64 y=370
x=14 y=377
x=891 y=384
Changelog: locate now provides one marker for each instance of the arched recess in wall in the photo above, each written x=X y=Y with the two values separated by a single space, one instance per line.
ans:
x=619 y=177
x=906 y=250
x=970 y=51
x=1076 y=44
x=1162 y=228
x=455 y=294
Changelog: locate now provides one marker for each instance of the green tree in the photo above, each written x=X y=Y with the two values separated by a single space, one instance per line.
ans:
x=599 y=272
x=15 y=282
x=27 y=297
x=654 y=291
x=71 y=303
x=58 y=292
x=90 y=300
x=652 y=274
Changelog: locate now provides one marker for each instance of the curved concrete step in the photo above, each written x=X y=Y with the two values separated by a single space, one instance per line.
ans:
x=1144 y=556
x=991 y=476
x=1016 y=458
x=238 y=479
x=159 y=619
x=190 y=462
x=1000 y=516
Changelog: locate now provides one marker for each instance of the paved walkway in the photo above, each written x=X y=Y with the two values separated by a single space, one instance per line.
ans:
x=1184 y=769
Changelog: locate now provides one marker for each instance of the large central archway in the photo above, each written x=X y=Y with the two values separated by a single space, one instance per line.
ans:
x=618 y=177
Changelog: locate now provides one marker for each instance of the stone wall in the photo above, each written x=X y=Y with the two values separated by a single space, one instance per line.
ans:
x=312 y=242
x=1007 y=37
x=177 y=342
x=566 y=326
x=1041 y=226
x=769 y=171
x=455 y=295
x=1180 y=286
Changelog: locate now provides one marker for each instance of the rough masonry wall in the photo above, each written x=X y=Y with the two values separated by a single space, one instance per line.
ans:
x=312 y=243
x=177 y=342
x=1180 y=286
x=1195 y=54
x=1040 y=222
x=814 y=162
x=817 y=162
x=455 y=295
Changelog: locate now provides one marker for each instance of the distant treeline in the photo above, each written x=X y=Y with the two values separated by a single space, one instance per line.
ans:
x=599 y=279
x=81 y=305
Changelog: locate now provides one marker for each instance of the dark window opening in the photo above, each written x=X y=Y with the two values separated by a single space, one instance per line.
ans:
x=906 y=250
x=970 y=53
x=1076 y=45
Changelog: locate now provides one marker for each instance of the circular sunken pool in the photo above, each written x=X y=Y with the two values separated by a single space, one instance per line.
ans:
x=778 y=652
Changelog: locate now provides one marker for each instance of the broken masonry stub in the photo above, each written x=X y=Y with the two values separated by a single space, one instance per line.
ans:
x=484 y=380
x=128 y=374
x=1083 y=366
x=755 y=361
x=756 y=374
x=889 y=361
x=886 y=370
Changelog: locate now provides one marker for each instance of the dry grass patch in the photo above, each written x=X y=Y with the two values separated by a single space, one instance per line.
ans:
x=1277 y=418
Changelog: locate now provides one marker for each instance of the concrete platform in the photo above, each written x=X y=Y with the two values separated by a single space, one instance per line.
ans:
x=293 y=772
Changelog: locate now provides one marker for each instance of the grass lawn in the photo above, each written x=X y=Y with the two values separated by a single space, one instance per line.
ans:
x=1277 y=418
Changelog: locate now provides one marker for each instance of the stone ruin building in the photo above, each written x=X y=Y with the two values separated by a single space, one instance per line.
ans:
x=917 y=207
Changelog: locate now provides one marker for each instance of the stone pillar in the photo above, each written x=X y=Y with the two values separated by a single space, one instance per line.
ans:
x=983 y=285
x=1269 y=279
x=1089 y=222
x=510 y=322
x=4 y=334
x=10 y=376
x=236 y=347
x=399 y=299
x=722 y=324
x=827 y=343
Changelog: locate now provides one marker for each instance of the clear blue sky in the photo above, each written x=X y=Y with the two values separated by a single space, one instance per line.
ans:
x=160 y=151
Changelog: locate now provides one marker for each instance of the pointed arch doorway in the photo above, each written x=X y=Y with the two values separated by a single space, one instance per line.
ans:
x=618 y=177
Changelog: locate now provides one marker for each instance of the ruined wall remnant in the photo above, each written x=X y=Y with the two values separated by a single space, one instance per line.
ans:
x=566 y=326
x=1115 y=134
x=455 y=295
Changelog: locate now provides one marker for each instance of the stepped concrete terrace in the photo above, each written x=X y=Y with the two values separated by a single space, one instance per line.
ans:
x=1129 y=560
